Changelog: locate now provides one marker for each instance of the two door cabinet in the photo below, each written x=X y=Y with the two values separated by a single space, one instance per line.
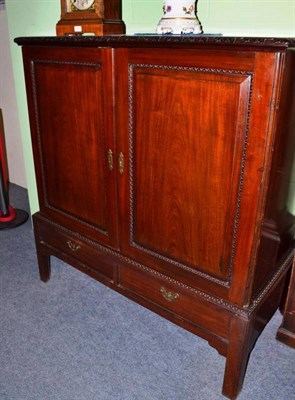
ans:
x=163 y=168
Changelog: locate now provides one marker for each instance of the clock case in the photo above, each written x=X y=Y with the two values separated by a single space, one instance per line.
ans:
x=106 y=18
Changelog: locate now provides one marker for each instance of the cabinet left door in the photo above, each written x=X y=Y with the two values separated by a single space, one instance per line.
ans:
x=70 y=105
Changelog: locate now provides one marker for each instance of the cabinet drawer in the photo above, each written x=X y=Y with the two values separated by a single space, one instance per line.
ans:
x=179 y=300
x=76 y=248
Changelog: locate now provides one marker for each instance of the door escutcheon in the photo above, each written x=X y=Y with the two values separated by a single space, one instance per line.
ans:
x=121 y=163
x=110 y=160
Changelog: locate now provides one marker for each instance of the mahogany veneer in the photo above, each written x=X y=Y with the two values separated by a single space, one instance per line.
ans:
x=163 y=169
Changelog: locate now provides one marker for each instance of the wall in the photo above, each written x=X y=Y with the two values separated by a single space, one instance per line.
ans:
x=9 y=107
x=229 y=17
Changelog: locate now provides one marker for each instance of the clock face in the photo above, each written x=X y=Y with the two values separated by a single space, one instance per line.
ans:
x=81 y=5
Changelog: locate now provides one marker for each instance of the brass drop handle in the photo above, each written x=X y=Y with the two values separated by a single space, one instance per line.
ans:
x=121 y=163
x=169 y=296
x=73 y=246
x=110 y=160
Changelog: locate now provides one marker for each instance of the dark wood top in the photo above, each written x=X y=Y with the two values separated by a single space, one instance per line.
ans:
x=153 y=40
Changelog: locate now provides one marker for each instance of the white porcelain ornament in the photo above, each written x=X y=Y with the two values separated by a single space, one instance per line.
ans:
x=179 y=18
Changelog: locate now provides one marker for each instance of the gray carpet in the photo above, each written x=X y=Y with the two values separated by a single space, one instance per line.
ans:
x=74 y=339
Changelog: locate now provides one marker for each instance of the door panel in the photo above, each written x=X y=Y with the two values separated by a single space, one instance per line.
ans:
x=185 y=145
x=71 y=109
x=187 y=137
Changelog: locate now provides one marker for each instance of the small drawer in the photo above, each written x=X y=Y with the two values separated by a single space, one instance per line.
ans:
x=177 y=299
x=75 y=247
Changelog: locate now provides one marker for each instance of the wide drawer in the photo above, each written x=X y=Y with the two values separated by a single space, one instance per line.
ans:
x=74 y=247
x=180 y=300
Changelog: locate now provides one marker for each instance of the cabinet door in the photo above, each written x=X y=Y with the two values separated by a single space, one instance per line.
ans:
x=71 y=108
x=184 y=128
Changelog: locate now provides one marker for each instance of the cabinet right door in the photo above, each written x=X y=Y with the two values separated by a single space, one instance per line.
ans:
x=186 y=191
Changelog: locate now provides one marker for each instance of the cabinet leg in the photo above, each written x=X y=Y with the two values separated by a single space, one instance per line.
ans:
x=237 y=357
x=44 y=266
x=286 y=332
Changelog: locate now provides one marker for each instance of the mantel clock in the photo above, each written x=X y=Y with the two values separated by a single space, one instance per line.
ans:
x=96 y=17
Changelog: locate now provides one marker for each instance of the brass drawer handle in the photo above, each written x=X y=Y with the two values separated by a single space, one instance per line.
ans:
x=73 y=246
x=169 y=296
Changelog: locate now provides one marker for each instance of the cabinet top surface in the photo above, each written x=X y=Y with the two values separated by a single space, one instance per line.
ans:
x=153 y=40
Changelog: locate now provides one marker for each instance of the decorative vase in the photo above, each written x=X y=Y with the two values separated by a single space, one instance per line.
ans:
x=179 y=18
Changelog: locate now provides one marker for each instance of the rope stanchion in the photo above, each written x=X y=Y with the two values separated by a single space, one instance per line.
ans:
x=9 y=216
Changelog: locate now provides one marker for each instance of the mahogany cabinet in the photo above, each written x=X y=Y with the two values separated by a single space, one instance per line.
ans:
x=163 y=170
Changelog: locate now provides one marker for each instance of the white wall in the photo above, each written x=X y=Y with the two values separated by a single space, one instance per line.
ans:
x=9 y=107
